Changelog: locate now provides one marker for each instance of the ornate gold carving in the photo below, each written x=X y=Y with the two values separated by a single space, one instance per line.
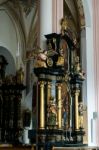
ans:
x=50 y=62
x=41 y=57
x=77 y=68
x=60 y=61
x=64 y=25
x=20 y=76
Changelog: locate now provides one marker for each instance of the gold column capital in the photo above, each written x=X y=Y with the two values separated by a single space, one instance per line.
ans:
x=77 y=92
x=59 y=85
x=42 y=83
x=49 y=84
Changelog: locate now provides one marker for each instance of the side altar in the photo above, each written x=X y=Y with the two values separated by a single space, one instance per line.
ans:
x=58 y=100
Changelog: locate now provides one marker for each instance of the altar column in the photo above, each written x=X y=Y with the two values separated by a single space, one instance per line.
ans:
x=76 y=109
x=59 y=97
x=42 y=106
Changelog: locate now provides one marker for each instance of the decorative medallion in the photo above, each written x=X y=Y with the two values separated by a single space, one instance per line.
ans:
x=49 y=62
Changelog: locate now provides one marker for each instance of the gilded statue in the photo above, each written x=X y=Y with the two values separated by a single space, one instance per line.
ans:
x=60 y=61
x=64 y=25
x=41 y=59
x=52 y=113
x=80 y=108
x=77 y=68
x=20 y=76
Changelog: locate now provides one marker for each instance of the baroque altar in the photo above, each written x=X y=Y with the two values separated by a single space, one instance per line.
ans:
x=58 y=93
x=11 y=87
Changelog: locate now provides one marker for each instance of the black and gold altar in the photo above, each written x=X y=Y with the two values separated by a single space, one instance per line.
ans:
x=59 y=86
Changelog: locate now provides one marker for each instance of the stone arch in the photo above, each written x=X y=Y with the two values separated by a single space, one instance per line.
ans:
x=18 y=25
x=17 y=20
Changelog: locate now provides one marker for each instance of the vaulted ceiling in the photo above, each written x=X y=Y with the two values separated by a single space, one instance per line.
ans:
x=74 y=12
x=80 y=12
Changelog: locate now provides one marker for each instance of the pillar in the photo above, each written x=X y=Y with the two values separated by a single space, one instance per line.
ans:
x=76 y=110
x=83 y=62
x=92 y=54
x=95 y=117
x=51 y=12
x=59 y=97
x=42 y=106
x=45 y=20
x=57 y=11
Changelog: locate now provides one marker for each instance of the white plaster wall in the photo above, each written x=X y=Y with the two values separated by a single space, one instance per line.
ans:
x=83 y=62
x=10 y=36
x=90 y=72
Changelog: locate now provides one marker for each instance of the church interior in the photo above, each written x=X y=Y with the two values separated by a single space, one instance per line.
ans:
x=49 y=72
